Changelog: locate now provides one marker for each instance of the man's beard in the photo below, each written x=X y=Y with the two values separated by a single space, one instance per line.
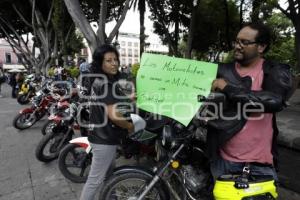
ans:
x=243 y=59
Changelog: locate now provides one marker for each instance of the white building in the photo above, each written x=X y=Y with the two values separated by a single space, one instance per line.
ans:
x=129 y=48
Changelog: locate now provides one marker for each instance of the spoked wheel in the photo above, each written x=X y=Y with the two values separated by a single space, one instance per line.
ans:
x=74 y=163
x=128 y=186
x=23 y=99
x=24 y=120
x=49 y=127
x=50 y=145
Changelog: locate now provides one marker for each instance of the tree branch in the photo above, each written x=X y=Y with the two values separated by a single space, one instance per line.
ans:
x=21 y=16
x=50 y=14
x=119 y=22
x=81 y=22
x=102 y=21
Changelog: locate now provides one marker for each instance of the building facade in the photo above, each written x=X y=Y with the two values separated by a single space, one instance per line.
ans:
x=7 y=56
x=129 y=48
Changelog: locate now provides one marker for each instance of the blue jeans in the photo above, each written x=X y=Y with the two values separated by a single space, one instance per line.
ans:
x=221 y=167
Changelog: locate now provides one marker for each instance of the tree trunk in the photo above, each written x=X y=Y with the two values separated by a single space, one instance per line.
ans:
x=228 y=45
x=82 y=23
x=142 y=9
x=297 y=45
x=241 y=13
x=255 y=10
x=188 y=51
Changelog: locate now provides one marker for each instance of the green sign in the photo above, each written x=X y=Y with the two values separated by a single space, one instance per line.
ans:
x=170 y=86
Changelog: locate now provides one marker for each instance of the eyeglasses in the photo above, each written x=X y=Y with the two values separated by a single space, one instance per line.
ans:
x=243 y=43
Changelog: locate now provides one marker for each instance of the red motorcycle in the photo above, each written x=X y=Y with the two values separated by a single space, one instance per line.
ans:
x=40 y=105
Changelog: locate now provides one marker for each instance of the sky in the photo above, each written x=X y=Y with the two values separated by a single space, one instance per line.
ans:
x=131 y=24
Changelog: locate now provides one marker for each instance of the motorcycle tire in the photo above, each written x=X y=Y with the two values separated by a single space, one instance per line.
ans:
x=23 y=99
x=21 y=125
x=80 y=160
x=59 y=142
x=109 y=190
x=48 y=127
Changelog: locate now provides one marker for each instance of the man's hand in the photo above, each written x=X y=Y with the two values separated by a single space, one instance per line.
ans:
x=218 y=83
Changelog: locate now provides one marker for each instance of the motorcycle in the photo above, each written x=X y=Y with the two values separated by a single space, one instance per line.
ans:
x=65 y=123
x=27 y=90
x=29 y=116
x=181 y=173
x=75 y=158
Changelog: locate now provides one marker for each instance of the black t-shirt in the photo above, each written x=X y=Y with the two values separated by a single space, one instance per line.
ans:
x=103 y=131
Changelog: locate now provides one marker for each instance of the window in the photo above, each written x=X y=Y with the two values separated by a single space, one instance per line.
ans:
x=84 y=51
x=136 y=61
x=130 y=52
x=19 y=57
x=123 y=43
x=123 y=61
x=136 y=44
x=123 y=52
x=129 y=44
x=7 y=58
x=136 y=53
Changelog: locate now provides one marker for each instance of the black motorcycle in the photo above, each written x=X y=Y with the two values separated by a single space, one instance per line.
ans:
x=181 y=173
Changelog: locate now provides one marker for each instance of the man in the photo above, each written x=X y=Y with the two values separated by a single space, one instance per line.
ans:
x=84 y=66
x=2 y=79
x=260 y=84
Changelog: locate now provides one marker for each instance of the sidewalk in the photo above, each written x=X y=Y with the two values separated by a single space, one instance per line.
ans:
x=288 y=122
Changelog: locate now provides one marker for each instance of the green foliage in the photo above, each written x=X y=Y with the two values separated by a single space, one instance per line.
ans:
x=70 y=42
x=283 y=47
x=229 y=57
x=210 y=32
x=51 y=72
x=74 y=43
x=73 y=71
x=134 y=69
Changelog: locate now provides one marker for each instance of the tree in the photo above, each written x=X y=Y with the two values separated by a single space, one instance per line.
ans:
x=170 y=17
x=282 y=49
x=31 y=17
x=216 y=27
x=69 y=42
x=292 y=12
x=141 y=5
x=78 y=15
x=188 y=51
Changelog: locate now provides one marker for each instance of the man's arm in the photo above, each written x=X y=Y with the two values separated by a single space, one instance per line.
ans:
x=272 y=98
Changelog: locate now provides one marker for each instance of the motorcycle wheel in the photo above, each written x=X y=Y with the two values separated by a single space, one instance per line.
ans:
x=48 y=127
x=129 y=186
x=50 y=145
x=23 y=99
x=22 y=121
x=74 y=163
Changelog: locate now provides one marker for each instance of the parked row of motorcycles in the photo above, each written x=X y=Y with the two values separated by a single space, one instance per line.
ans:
x=177 y=166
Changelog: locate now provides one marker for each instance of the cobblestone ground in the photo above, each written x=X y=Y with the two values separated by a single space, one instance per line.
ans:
x=23 y=177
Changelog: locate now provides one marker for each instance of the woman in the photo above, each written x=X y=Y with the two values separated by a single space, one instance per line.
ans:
x=108 y=125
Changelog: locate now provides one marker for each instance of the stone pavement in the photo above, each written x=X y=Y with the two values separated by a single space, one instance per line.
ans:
x=22 y=177
x=288 y=122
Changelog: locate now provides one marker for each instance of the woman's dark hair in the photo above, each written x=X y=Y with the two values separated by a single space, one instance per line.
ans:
x=263 y=36
x=96 y=66
x=98 y=57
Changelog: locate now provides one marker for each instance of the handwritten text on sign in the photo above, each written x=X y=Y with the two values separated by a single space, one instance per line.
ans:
x=169 y=86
